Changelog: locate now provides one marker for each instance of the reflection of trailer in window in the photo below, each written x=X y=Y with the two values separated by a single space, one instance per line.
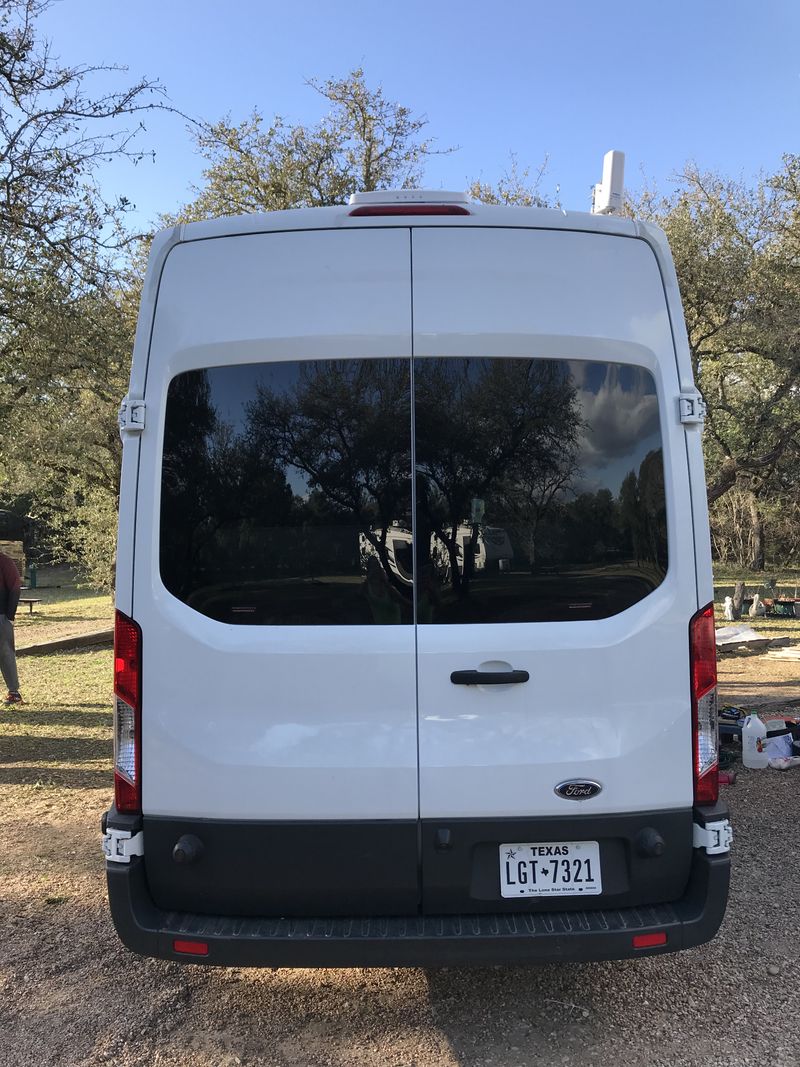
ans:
x=399 y=550
x=491 y=550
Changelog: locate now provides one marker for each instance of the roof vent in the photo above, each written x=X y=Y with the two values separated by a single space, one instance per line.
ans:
x=409 y=202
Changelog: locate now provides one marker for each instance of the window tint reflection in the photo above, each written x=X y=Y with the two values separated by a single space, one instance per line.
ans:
x=286 y=492
x=540 y=489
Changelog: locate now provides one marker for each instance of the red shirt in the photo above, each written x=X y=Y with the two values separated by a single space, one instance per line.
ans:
x=10 y=586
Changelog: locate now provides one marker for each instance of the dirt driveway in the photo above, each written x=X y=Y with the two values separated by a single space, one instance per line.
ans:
x=71 y=996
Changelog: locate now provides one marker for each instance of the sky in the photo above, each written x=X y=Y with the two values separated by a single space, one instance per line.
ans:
x=712 y=81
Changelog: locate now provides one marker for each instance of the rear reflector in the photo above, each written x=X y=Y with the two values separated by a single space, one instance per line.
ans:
x=705 y=733
x=408 y=209
x=192 y=948
x=649 y=940
x=127 y=715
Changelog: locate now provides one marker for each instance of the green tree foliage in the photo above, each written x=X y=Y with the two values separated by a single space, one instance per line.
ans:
x=364 y=142
x=515 y=188
x=65 y=329
x=735 y=249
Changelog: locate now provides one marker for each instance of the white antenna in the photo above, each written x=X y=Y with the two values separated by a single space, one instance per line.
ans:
x=607 y=195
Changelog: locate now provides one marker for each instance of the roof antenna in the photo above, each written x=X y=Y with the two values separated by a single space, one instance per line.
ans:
x=607 y=194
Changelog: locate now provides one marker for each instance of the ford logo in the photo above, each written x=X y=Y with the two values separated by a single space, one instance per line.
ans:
x=578 y=790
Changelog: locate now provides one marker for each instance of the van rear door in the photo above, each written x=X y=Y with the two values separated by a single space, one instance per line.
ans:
x=278 y=689
x=547 y=426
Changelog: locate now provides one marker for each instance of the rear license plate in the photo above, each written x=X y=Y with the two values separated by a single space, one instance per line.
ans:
x=550 y=869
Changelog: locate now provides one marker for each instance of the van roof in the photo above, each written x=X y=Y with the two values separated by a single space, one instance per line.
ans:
x=479 y=215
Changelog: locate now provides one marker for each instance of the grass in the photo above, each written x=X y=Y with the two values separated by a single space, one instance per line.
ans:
x=768 y=626
x=64 y=610
x=55 y=780
x=61 y=735
x=787 y=584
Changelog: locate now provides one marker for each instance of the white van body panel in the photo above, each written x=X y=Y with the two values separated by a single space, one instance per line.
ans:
x=265 y=722
x=607 y=700
x=540 y=293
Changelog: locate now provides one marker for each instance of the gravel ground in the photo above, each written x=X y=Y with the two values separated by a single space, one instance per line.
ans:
x=71 y=996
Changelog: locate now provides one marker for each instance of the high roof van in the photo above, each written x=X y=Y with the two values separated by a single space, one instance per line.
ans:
x=415 y=655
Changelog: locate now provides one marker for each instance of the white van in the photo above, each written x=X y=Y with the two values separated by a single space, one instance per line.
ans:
x=321 y=763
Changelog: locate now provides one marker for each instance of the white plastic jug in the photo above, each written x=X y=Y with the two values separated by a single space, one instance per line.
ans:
x=754 y=737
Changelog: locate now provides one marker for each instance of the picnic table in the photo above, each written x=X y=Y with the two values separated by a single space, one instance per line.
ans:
x=30 y=601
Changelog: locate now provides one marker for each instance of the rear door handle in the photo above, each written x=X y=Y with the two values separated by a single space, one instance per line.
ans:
x=489 y=677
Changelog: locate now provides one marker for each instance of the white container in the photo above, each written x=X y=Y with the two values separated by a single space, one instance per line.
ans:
x=754 y=736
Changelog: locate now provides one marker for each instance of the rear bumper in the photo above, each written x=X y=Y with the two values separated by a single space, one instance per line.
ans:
x=448 y=940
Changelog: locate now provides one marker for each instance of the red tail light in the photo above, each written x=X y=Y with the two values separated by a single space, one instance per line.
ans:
x=408 y=209
x=127 y=714
x=703 y=661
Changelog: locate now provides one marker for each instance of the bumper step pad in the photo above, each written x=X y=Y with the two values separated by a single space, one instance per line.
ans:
x=426 y=940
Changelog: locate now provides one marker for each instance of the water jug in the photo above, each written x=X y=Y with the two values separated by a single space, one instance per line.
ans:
x=754 y=736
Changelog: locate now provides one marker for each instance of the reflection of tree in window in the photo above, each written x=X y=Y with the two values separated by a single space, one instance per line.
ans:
x=185 y=477
x=502 y=431
x=271 y=473
x=286 y=491
x=627 y=530
x=343 y=428
x=217 y=491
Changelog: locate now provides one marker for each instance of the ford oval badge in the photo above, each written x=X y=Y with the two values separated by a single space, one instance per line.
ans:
x=577 y=789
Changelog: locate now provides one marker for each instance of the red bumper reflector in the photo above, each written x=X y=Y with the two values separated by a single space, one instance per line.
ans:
x=649 y=940
x=193 y=948
x=371 y=210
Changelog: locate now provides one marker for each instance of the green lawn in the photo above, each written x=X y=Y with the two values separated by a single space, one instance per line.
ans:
x=787 y=584
x=64 y=610
x=61 y=735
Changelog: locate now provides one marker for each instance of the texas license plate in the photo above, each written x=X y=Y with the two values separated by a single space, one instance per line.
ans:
x=550 y=869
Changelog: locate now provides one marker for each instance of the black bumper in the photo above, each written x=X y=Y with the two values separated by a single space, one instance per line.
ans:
x=449 y=940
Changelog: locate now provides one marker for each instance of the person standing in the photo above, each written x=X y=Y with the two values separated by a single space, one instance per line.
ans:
x=10 y=587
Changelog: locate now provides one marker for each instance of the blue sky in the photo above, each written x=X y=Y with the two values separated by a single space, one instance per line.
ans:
x=712 y=81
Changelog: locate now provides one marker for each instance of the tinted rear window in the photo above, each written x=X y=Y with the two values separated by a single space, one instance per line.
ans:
x=275 y=478
x=540 y=489
x=287 y=491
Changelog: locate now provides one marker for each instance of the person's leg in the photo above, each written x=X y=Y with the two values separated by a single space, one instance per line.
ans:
x=8 y=657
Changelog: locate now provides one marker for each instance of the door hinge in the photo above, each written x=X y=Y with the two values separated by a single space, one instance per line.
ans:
x=692 y=408
x=131 y=416
x=714 y=837
x=119 y=845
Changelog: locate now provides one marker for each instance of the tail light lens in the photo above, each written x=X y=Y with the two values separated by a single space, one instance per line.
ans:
x=127 y=715
x=703 y=660
x=373 y=210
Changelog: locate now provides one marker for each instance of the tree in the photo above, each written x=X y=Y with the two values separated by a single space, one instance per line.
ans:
x=515 y=188
x=64 y=447
x=65 y=331
x=54 y=134
x=365 y=142
x=735 y=251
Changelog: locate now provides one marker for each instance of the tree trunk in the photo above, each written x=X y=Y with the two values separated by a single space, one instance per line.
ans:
x=756 y=533
x=738 y=597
